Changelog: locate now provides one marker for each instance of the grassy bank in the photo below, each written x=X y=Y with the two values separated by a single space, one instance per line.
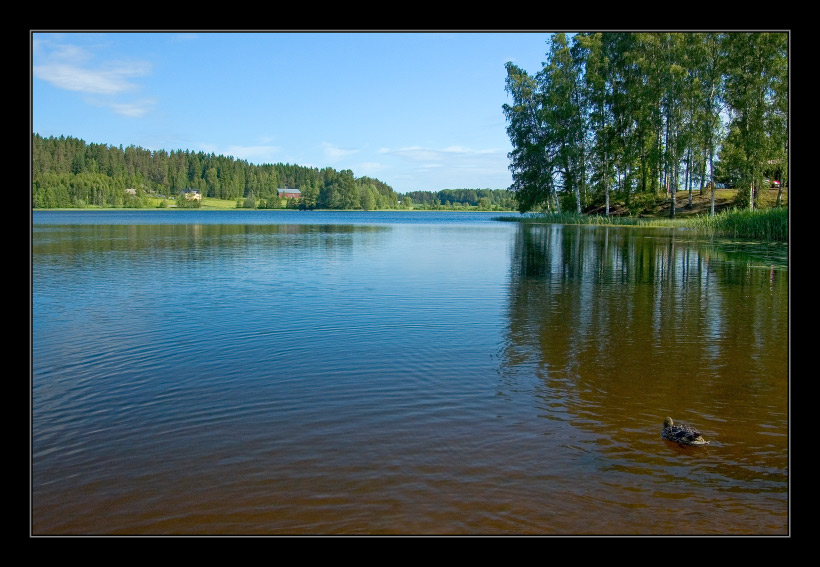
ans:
x=760 y=224
x=768 y=222
x=209 y=203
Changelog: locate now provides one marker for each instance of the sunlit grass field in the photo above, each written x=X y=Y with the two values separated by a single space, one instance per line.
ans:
x=207 y=203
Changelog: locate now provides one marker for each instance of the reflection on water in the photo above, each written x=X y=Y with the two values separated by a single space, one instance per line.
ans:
x=623 y=327
x=445 y=376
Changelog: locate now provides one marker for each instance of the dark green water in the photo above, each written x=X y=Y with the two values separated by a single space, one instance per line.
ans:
x=383 y=373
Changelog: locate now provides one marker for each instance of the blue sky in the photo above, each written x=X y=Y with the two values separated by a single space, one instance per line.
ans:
x=419 y=111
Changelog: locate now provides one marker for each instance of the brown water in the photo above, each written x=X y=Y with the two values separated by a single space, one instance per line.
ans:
x=243 y=373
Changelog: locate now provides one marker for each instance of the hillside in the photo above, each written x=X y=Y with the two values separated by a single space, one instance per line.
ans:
x=724 y=199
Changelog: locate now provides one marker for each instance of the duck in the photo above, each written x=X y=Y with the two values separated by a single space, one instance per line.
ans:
x=681 y=433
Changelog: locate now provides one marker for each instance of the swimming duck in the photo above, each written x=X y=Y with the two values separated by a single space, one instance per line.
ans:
x=681 y=433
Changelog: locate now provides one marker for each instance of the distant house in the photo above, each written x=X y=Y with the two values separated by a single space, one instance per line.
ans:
x=130 y=191
x=289 y=194
x=192 y=195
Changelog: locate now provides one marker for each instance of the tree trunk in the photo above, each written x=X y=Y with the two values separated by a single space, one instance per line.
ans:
x=712 y=179
x=577 y=198
x=671 y=189
x=712 y=205
x=606 y=186
x=703 y=169
x=689 y=176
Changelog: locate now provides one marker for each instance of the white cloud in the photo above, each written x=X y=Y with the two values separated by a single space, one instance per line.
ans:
x=103 y=81
x=132 y=109
x=370 y=168
x=456 y=166
x=454 y=156
x=72 y=68
x=335 y=153
x=417 y=154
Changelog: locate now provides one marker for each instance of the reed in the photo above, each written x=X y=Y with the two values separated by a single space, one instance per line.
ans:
x=759 y=224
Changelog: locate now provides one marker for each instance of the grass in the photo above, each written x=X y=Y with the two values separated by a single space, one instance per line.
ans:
x=207 y=203
x=765 y=223
x=760 y=224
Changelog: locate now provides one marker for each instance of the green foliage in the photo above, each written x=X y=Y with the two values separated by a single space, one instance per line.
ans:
x=530 y=163
x=68 y=172
x=643 y=202
x=767 y=224
x=618 y=115
x=482 y=199
x=184 y=203
x=742 y=199
x=761 y=224
x=62 y=190
x=249 y=202
x=757 y=94
x=367 y=197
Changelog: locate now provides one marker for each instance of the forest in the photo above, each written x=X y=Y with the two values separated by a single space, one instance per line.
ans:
x=481 y=199
x=71 y=173
x=68 y=172
x=636 y=117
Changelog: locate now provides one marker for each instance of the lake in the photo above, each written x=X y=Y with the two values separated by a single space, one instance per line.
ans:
x=410 y=373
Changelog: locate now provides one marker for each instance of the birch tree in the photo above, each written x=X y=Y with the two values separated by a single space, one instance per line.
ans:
x=530 y=164
x=754 y=94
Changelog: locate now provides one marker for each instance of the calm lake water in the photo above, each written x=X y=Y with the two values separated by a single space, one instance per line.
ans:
x=278 y=372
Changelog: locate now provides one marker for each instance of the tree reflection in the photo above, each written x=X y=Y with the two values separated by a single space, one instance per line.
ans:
x=623 y=326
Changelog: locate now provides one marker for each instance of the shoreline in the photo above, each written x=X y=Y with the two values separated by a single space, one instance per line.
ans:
x=455 y=211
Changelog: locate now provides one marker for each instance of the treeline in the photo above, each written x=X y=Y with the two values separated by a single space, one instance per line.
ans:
x=68 y=172
x=631 y=116
x=482 y=199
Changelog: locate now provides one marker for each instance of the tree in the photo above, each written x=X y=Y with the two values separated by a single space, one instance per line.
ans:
x=674 y=78
x=562 y=115
x=367 y=197
x=596 y=83
x=98 y=174
x=531 y=166
x=339 y=191
x=212 y=180
x=708 y=61
x=756 y=95
x=249 y=202
x=629 y=112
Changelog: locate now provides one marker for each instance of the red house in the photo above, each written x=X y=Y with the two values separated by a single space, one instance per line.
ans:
x=289 y=193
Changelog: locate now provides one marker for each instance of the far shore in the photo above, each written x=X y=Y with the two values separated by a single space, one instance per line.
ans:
x=768 y=222
x=701 y=204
